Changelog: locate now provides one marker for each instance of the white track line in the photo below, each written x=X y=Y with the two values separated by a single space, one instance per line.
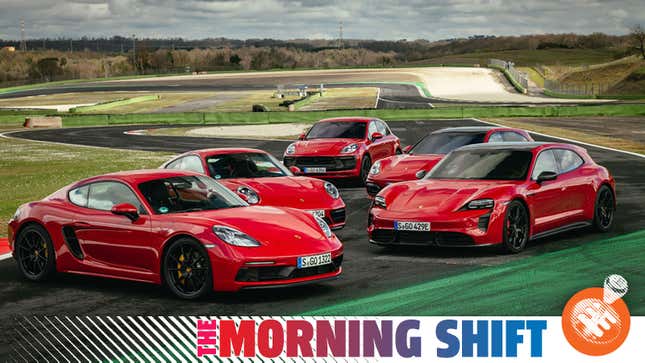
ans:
x=378 y=96
x=571 y=140
x=5 y=256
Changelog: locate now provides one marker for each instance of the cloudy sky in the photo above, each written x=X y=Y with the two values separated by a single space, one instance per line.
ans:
x=285 y=19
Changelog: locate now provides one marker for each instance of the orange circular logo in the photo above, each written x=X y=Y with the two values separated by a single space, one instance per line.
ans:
x=595 y=322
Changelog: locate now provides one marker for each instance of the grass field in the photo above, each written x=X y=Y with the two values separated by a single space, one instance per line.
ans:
x=32 y=170
x=343 y=98
x=531 y=57
x=539 y=285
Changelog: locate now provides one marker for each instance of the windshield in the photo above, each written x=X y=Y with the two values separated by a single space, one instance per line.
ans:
x=188 y=194
x=445 y=142
x=246 y=165
x=337 y=130
x=483 y=164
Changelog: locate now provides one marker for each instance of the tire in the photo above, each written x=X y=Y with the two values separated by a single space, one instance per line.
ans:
x=516 y=227
x=35 y=253
x=604 y=209
x=366 y=164
x=182 y=259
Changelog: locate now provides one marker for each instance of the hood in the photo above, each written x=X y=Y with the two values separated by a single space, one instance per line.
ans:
x=322 y=146
x=272 y=227
x=288 y=191
x=404 y=167
x=440 y=196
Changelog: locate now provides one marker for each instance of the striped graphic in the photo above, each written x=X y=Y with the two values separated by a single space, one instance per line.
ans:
x=123 y=339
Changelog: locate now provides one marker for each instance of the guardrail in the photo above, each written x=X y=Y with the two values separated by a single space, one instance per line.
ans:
x=519 y=80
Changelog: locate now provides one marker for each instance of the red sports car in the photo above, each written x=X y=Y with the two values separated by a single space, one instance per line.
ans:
x=259 y=178
x=342 y=148
x=171 y=227
x=506 y=193
x=420 y=158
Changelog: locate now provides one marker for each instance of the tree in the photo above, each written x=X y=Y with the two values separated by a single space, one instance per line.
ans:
x=235 y=59
x=638 y=38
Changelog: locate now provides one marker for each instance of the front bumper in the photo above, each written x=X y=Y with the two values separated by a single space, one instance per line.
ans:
x=337 y=167
x=460 y=229
x=271 y=271
x=374 y=185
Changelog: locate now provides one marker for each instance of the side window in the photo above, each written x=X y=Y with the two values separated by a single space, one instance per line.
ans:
x=193 y=163
x=495 y=137
x=105 y=195
x=512 y=136
x=567 y=160
x=79 y=195
x=372 y=128
x=190 y=163
x=382 y=128
x=545 y=162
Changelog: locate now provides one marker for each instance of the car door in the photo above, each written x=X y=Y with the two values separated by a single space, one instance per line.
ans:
x=115 y=244
x=574 y=183
x=545 y=199
x=388 y=138
x=377 y=148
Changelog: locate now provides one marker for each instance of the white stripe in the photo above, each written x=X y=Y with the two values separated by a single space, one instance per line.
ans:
x=99 y=340
x=378 y=95
x=37 y=340
x=193 y=334
x=169 y=337
x=72 y=334
x=84 y=336
x=48 y=341
x=64 y=336
x=25 y=349
x=5 y=256
x=572 y=140
x=31 y=345
x=145 y=334
x=108 y=338
x=138 y=348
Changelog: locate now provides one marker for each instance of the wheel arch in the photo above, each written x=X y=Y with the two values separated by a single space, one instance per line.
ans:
x=164 y=250
x=522 y=200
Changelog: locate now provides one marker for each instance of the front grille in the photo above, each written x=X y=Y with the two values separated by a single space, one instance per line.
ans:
x=338 y=215
x=390 y=236
x=372 y=189
x=273 y=273
x=331 y=163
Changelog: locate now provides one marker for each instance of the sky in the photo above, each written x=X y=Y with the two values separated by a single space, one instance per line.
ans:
x=314 y=19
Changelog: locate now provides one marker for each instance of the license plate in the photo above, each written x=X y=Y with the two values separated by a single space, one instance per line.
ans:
x=315 y=170
x=315 y=260
x=318 y=213
x=412 y=226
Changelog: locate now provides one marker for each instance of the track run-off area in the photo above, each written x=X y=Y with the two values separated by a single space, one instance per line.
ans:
x=375 y=281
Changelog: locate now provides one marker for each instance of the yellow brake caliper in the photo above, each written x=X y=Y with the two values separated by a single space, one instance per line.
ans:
x=179 y=274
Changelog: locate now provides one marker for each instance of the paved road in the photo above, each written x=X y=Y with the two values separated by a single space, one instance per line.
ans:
x=367 y=269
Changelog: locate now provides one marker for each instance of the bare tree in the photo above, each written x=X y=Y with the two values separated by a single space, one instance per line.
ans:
x=638 y=37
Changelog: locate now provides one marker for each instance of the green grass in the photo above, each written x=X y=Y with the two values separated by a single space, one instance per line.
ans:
x=32 y=170
x=510 y=78
x=537 y=285
x=112 y=104
x=526 y=57
x=231 y=118
x=421 y=85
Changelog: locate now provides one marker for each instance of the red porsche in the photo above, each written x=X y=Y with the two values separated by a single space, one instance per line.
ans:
x=259 y=178
x=421 y=157
x=171 y=227
x=486 y=194
x=342 y=148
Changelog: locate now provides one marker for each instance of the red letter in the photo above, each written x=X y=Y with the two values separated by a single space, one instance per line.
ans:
x=326 y=337
x=245 y=336
x=274 y=328
x=296 y=341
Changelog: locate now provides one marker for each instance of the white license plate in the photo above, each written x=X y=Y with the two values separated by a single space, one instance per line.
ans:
x=315 y=170
x=412 y=226
x=315 y=260
x=318 y=213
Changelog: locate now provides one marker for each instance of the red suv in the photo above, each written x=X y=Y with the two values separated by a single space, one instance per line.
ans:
x=341 y=148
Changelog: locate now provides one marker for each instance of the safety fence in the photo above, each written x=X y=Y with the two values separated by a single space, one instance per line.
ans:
x=520 y=80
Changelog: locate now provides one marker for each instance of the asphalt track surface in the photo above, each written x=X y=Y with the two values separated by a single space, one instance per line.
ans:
x=367 y=269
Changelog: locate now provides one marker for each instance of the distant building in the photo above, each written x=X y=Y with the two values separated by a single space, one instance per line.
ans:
x=8 y=49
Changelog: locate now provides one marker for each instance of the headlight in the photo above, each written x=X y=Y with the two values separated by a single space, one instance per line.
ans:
x=250 y=194
x=234 y=237
x=16 y=215
x=323 y=226
x=480 y=204
x=379 y=201
x=332 y=190
x=349 y=149
x=376 y=168
x=291 y=149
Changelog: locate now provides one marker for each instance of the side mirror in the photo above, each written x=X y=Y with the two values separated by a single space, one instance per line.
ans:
x=126 y=209
x=302 y=136
x=546 y=176
x=420 y=174
x=407 y=149
x=295 y=170
x=376 y=136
